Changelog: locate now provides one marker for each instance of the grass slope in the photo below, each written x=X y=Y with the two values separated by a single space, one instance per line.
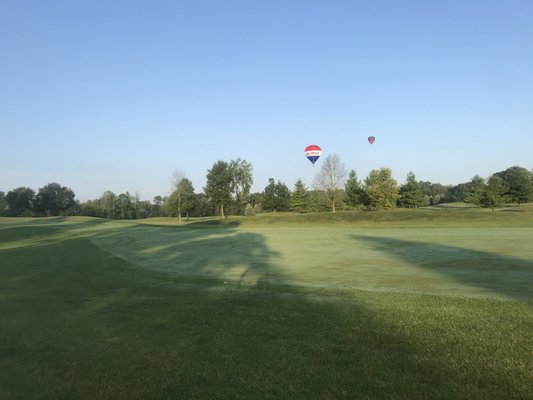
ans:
x=96 y=309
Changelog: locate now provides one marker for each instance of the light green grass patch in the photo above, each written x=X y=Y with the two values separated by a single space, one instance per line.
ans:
x=451 y=261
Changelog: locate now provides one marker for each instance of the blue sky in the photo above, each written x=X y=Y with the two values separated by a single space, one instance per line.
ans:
x=116 y=95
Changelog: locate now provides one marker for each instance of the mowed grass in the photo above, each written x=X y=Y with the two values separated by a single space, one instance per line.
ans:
x=409 y=305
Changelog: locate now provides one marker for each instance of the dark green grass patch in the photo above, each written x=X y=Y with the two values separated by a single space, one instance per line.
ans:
x=79 y=322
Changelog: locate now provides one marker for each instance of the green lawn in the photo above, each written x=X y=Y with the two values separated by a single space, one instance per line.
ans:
x=433 y=303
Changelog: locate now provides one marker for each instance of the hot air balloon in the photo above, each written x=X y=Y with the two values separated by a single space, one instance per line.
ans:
x=313 y=152
x=371 y=139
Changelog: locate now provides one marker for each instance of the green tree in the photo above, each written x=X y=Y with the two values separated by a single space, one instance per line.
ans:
x=411 y=195
x=90 y=208
x=201 y=206
x=255 y=200
x=20 y=201
x=182 y=198
x=318 y=201
x=354 y=190
x=434 y=193
x=283 y=196
x=519 y=182
x=241 y=182
x=493 y=195
x=331 y=179
x=475 y=190
x=108 y=205
x=54 y=199
x=157 y=206
x=457 y=193
x=268 y=202
x=143 y=208
x=3 y=203
x=219 y=186
x=124 y=206
x=381 y=189
x=300 y=197
x=276 y=196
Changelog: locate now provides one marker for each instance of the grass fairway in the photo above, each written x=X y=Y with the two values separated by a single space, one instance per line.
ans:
x=407 y=304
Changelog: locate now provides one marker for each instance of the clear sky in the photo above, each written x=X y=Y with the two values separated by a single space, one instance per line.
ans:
x=116 y=95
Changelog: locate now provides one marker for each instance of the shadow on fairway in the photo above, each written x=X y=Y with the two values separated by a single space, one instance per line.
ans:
x=27 y=234
x=82 y=321
x=501 y=275
x=211 y=249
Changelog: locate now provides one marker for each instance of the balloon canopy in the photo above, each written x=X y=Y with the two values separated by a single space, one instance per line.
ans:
x=371 y=139
x=313 y=152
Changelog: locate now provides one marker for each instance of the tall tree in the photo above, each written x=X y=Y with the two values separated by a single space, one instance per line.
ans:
x=435 y=193
x=157 y=204
x=201 y=206
x=276 y=196
x=268 y=199
x=456 y=193
x=354 y=190
x=411 y=195
x=331 y=178
x=255 y=200
x=3 y=202
x=20 y=201
x=381 y=189
x=182 y=197
x=90 y=208
x=494 y=191
x=54 y=199
x=520 y=184
x=143 y=208
x=125 y=206
x=219 y=185
x=241 y=181
x=108 y=205
x=300 y=197
x=474 y=190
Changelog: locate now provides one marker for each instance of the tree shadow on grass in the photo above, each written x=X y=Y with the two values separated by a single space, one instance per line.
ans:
x=214 y=251
x=27 y=234
x=496 y=274
x=80 y=319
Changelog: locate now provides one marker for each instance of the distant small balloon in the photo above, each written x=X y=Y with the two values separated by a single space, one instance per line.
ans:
x=371 y=139
x=313 y=152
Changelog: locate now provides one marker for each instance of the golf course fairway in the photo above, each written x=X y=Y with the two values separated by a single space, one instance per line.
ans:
x=402 y=304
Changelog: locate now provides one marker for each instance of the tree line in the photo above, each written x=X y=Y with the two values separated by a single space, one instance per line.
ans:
x=228 y=185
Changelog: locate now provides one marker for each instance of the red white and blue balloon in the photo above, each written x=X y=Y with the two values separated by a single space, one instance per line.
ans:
x=313 y=152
